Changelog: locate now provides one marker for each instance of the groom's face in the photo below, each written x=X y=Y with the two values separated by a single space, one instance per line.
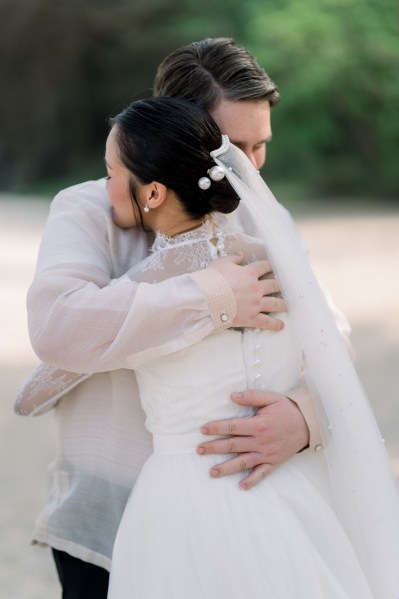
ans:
x=247 y=123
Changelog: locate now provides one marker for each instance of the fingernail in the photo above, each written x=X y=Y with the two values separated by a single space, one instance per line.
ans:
x=243 y=486
x=238 y=396
x=204 y=429
x=215 y=472
x=200 y=450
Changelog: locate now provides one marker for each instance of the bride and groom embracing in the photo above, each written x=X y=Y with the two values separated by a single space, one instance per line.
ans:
x=101 y=306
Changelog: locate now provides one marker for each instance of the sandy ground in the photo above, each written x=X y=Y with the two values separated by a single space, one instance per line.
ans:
x=356 y=253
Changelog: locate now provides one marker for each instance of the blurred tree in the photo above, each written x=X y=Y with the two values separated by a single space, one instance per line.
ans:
x=43 y=58
x=66 y=66
x=337 y=66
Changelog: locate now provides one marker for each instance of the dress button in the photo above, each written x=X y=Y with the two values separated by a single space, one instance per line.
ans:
x=318 y=447
x=224 y=317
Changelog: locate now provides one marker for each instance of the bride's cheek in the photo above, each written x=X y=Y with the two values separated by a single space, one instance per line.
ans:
x=121 y=219
x=123 y=215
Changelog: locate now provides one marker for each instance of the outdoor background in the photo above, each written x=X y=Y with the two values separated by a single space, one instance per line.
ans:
x=66 y=66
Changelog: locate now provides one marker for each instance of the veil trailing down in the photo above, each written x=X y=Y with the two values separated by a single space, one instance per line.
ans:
x=365 y=491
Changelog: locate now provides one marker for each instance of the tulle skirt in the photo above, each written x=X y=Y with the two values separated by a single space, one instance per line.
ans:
x=185 y=535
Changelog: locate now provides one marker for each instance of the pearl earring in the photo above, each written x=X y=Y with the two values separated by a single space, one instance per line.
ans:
x=146 y=208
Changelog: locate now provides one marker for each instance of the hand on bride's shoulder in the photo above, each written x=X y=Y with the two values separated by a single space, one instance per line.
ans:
x=255 y=295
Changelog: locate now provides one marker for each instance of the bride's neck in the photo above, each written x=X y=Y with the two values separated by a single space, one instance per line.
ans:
x=170 y=218
x=175 y=222
x=183 y=227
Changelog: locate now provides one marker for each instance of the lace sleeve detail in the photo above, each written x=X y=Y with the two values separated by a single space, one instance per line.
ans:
x=44 y=389
x=195 y=250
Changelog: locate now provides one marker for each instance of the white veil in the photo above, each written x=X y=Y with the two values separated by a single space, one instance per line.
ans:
x=365 y=490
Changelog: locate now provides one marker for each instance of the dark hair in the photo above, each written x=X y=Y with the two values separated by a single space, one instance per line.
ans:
x=169 y=140
x=213 y=69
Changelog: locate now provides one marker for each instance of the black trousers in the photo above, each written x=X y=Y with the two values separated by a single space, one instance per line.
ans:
x=79 y=579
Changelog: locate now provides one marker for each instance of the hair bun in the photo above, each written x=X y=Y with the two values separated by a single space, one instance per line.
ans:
x=221 y=197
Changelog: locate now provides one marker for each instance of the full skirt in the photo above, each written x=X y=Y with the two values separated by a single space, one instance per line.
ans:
x=185 y=535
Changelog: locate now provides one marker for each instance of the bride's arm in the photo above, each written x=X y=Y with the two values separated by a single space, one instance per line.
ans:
x=44 y=388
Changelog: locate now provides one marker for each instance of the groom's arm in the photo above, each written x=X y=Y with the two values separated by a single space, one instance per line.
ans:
x=232 y=293
x=80 y=322
x=283 y=426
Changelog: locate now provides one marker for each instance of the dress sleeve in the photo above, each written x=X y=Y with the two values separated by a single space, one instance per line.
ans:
x=42 y=391
x=84 y=319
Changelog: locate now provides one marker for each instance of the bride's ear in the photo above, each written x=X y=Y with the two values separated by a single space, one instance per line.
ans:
x=155 y=194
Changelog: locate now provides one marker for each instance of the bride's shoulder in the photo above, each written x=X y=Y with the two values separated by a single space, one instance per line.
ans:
x=252 y=248
x=236 y=239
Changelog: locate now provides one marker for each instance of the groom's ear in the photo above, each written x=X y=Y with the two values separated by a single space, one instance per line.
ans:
x=155 y=194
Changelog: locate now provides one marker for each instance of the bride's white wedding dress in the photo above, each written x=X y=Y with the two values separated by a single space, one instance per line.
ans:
x=185 y=535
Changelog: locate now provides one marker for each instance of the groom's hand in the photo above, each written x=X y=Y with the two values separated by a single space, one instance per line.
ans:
x=254 y=299
x=276 y=433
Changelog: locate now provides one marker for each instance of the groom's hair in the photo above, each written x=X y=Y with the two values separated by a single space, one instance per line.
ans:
x=213 y=69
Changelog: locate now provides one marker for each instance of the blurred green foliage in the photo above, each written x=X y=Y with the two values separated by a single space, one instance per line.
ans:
x=66 y=66
x=337 y=65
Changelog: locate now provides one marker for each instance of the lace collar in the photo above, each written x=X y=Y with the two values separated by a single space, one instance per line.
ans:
x=205 y=231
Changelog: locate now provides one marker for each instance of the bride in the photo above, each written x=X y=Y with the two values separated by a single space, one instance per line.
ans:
x=323 y=525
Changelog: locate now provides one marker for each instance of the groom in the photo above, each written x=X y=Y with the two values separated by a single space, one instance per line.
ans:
x=227 y=81
x=100 y=419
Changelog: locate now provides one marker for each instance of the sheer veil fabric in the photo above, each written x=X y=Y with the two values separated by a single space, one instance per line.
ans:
x=365 y=490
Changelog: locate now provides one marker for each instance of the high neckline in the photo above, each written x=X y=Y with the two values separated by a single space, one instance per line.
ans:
x=204 y=231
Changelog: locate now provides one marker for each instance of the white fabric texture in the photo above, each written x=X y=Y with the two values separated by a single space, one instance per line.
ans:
x=186 y=535
x=101 y=440
x=365 y=491
x=101 y=445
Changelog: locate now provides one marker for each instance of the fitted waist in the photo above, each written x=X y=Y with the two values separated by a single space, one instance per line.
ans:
x=184 y=443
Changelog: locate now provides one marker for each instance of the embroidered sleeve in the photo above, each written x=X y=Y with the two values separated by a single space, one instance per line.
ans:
x=44 y=388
